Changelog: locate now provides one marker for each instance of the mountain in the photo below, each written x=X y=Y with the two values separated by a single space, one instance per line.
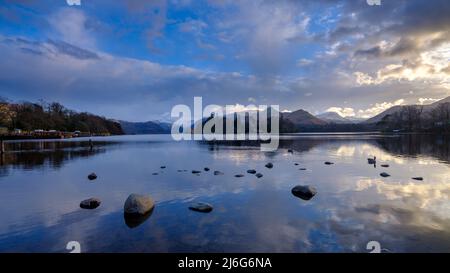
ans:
x=148 y=127
x=333 y=117
x=302 y=118
x=398 y=108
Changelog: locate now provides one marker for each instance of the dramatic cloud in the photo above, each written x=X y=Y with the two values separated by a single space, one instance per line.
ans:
x=135 y=59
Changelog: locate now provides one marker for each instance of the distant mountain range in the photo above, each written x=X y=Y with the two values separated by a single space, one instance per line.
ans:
x=291 y=122
x=148 y=127
x=398 y=108
x=333 y=117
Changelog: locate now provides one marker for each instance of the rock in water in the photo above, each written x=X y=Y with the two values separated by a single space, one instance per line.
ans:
x=201 y=207
x=239 y=175
x=154 y=173
x=304 y=192
x=251 y=171
x=196 y=172
x=269 y=165
x=302 y=169
x=290 y=151
x=259 y=175
x=296 y=164
x=218 y=173
x=418 y=178
x=90 y=203
x=138 y=205
x=385 y=165
x=163 y=167
x=92 y=176
x=383 y=174
x=206 y=169
x=329 y=163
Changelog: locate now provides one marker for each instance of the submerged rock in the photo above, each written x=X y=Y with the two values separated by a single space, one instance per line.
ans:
x=328 y=163
x=251 y=171
x=206 y=169
x=239 y=175
x=92 y=176
x=201 y=207
x=296 y=164
x=163 y=167
x=218 y=173
x=138 y=205
x=383 y=174
x=269 y=165
x=196 y=172
x=304 y=192
x=302 y=169
x=259 y=175
x=418 y=178
x=155 y=173
x=385 y=165
x=90 y=203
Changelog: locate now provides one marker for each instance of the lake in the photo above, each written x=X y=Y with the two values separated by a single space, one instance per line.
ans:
x=43 y=182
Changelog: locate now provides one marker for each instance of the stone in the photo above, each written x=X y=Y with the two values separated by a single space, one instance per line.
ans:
x=418 y=178
x=206 y=169
x=296 y=164
x=218 y=173
x=383 y=174
x=196 y=172
x=302 y=169
x=385 y=165
x=163 y=167
x=138 y=205
x=155 y=173
x=251 y=171
x=329 y=163
x=239 y=175
x=304 y=192
x=92 y=176
x=269 y=165
x=90 y=203
x=201 y=207
x=259 y=175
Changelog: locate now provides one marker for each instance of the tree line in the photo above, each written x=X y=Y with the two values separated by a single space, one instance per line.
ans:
x=29 y=116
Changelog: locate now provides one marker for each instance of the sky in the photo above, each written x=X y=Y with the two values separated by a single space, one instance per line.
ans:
x=136 y=59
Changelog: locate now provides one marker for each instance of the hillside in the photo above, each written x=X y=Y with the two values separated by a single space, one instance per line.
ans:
x=302 y=118
x=426 y=109
x=149 y=127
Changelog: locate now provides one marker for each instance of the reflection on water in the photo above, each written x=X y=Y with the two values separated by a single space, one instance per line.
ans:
x=42 y=184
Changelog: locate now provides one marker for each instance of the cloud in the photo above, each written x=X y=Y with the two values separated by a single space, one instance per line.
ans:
x=378 y=108
x=423 y=101
x=343 y=112
x=113 y=86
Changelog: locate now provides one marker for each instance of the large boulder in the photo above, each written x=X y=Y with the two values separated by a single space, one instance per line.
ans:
x=304 y=192
x=138 y=205
x=90 y=203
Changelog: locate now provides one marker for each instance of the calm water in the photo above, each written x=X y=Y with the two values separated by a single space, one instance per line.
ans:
x=42 y=184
